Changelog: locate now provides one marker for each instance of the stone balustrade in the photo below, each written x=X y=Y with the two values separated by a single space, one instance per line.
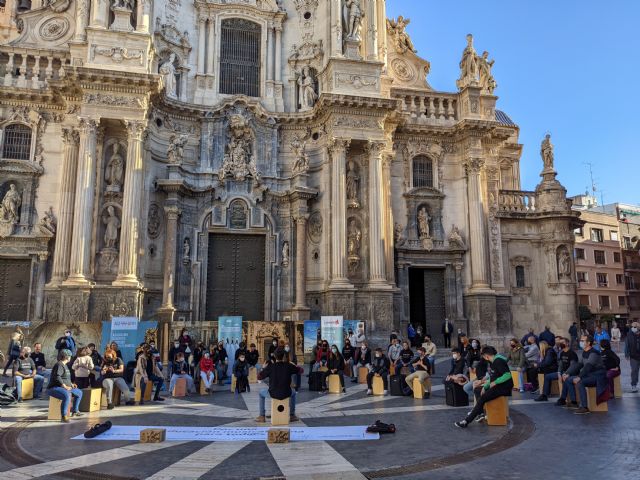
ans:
x=516 y=201
x=428 y=107
x=30 y=68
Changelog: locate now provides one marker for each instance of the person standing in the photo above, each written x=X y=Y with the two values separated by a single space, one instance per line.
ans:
x=632 y=353
x=616 y=335
x=573 y=334
x=547 y=336
x=60 y=387
x=15 y=346
x=447 y=328
x=221 y=361
x=66 y=342
x=601 y=334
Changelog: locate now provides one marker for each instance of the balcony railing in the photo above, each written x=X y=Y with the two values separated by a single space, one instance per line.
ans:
x=428 y=107
x=30 y=68
x=516 y=201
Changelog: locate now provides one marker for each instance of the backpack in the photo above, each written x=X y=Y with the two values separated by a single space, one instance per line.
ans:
x=8 y=395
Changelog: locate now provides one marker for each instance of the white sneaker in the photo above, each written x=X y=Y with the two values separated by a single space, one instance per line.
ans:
x=369 y=391
x=385 y=393
x=634 y=389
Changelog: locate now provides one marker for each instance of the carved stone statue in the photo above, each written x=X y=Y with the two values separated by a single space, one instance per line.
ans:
x=175 y=152
x=301 y=164
x=285 y=254
x=111 y=231
x=468 y=66
x=423 y=223
x=168 y=72
x=487 y=82
x=354 y=237
x=10 y=205
x=455 y=238
x=48 y=221
x=186 y=251
x=564 y=263
x=306 y=89
x=353 y=182
x=546 y=152
x=401 y=40
x=114 y=171
x=353 y=15
x=238 y=159
x=398 y=235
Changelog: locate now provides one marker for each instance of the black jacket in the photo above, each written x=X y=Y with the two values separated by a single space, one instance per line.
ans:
x=406 y=356
x=610 y=359
x=347 y=352
x=60 y=375
x=549 y=363
x=457 y=367
x=252 y=357
x=39 y=360
x=361 y=359
x=548 y=337
x=380 y=365
x=473 y=355
x=279 y=375
x=335 y=362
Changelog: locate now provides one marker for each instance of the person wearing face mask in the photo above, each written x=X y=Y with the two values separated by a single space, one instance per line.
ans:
x=23 y=368
x=353 y=338
x=348 y=353
x=222 y=362
x=431 y=350
x=114 y=347
x=404 y=360
x=379 y=366
x=498 y=385
x=147 y=371
x=322 y=356
x=335 y=366
x=252 y=357
x=291 y=357
x=185 y=341
x=481 y=369
x=181 y=370
x=363 y=359
x=394 y=351
x=421 y=369
x=532 y=354
x=272 y=349
x=173 y=352
x=567 y=361
x=241 y=371
x=517 y=361
x=66 y=342
x=458 y=365
x=112 y=371
x=206 y=371
x=473 y=355
x=611 y=363
x=588 y=372
x=632 y=353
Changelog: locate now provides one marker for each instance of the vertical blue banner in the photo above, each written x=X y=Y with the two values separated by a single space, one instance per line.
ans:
x=127 y=332
x=311 y=335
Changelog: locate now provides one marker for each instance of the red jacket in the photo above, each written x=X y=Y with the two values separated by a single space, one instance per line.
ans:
x=206 y=365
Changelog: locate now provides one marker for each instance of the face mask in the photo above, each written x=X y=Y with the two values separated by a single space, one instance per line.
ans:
x=378 y=355
x=176 y=345
x=275 y=344
x=634 y=329
x=364 y=349
x=455 y=357
x=152 y=345
x=241 y=359
x=513 y=345
x=68 y=334
x=334 y=350
x=582 y=345
x=474 y=344
x=286 y=349
x=206 y=355
x=561 y=346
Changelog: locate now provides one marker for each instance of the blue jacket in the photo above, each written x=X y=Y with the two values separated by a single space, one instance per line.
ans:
x=548 y=337
x=603 y=335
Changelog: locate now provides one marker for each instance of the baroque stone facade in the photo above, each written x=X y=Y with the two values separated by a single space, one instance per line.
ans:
x=152 y=167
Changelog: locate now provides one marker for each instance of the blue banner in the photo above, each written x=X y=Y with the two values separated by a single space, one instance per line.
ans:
x=128 y=333
x=311 y=335
x=332 y=331
x=230 y=330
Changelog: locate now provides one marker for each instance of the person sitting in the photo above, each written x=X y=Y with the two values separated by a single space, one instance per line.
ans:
x=83 y=366
x=322 y=356
x=241 y=372
x=279 y=374
x=94 y=375
x=291 y=357
x=173 y=352
x=532 y=355
x=60 y=387
x=181 y=370
x=348 y=354
x=363 y=359
x=39 y=360
x=431 y=349
x=548 y=363
x=147 y=371
x=421 y=370
x=112 y=371
x=314 y=353
x=221 y=360
x=271 y=353
x=23 y=368
x=393 y=352
x=498 y=385
x=588 y=372
x=253 y=356
x=516 y=359
x=207 y=371
x=458 y=365
x=335 y=366
x=482 y=375
x=473 y=355
x=404 y=359
x=611 y=363
x=198 y=352
x=568 y=359
x=379 y=366
x=116 y=349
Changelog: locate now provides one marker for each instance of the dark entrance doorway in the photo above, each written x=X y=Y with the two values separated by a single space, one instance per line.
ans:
x=235 y=276
x=15 y=277
x=426 y=300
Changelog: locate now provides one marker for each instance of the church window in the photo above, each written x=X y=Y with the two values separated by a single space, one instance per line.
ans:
x=520 y=276
x=16 y=143
x=240 y=57
x=422 y=172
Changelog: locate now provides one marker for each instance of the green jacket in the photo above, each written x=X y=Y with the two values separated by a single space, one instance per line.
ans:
x=516 y=358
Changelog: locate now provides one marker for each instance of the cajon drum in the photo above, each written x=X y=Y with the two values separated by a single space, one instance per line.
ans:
x=362 y=374
x=153 y=435
x=27 y=389
x=54 y=409
x=516 y=379
x=203 y=388
x=392 y=369
x=115 y=397
x=497 y=411
x=233 y=383
x=591 y=401
x=377 y=385
x=280 y=412
x=405 y=371
x=253 y=375
x=617 y=387
x=347 y=370
x=323 y=369
x=555 y=389
x=91 y=399
x=334 y=384
x=148 y=390
x=472 y=375
x=418 y=388
x=180 y=388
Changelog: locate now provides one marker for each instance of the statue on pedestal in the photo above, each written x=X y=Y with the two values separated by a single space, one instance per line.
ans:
x=354 y=237
x=487 y=82
x=546 y=152
x=285 y=254
x=112 y=226
x=353 y=182
x=468 y=66
x=306 y=89
x=353 y=15
x=114 y=171
x=9 y=213
x=301 y=164
x=455 y=238
x=175 y=152
x=168 y=72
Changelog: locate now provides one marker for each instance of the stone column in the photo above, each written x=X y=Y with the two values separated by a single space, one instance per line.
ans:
x=270 y=52
x=170 y=246
x=371 y=42
x=278 y=73
x=201 y=43
x=211 y=46
x=301 y=261
x=338 y=151
x=336 y=28
x=42 y=278
x=79 y=268
x=142 y=18
x=388 y=216
x=98 y=14
x=376 y=206
x=477 y=240
x=82 y=19
x=130 y=222
x=62 y=250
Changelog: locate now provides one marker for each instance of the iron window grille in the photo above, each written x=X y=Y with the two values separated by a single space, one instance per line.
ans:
x=17 y=142
x=240 y=57
x=422 y=172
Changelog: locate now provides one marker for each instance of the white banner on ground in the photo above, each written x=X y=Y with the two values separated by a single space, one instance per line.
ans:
x=237 y=434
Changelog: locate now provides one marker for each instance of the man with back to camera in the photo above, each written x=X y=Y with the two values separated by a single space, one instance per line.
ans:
x=279 y=374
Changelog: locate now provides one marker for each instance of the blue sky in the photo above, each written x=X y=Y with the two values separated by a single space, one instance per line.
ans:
x=567 y=67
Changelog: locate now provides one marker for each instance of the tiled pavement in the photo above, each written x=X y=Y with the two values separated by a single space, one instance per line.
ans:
x=542 y=441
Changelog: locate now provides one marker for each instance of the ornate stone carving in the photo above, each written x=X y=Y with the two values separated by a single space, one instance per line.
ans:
x=356 y=81
x=455 y=238
x=402 y=70
x=285 y=254
x=306 y=52
x=186 y=251
x=48 y=222
x=114 y=171
x=314 y=227
x=307 y=95
x=168 y=72
x=237 y=214
x=487 y=82
x=473 y=165
x=112 y=227
x=119 y=54
x=546 y=152
x=398 y=36
x=399 y=236
x=10 y=210
x=564 y=262
x=175 y=151
x=54 y=28
x=58 y=6
x=238 y=159
x=352 y=185
x=353 y=15
x=154 y=220
x=468 y=66
x=301 y=162
x=424 y=230
x=112 y=100
x=108 y=261
x=354 y=240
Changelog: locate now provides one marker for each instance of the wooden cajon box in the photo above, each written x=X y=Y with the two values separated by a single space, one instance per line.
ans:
x=91 y=399
x=203 y=388
x=362 y=374
x=148 y=390
x=405 y=370
x=377 y=385
x=115 y=397
x=591 y=401
x=280 y=412
x=153 y=435
x=253 y=375
x=233 y=383
x=516 y=379
x=555 y=389
x=54 y=409
x=392 y=369
x=180 y=388
x=278 y=435
x=347 y=370
x=418 y=388
x=472 y=375
x=334 y=383
x=27 y=389
x=497 y=411
x=323 y=369
x=617 y=387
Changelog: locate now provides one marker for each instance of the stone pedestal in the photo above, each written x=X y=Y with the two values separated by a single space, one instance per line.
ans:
x=352 y=49
x=121 y=19
x=480 y=310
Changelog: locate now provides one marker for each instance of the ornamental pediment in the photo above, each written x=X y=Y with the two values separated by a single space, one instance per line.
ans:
x=264 y=5
x=403 y=64
x=46 y=27
x=424 y=192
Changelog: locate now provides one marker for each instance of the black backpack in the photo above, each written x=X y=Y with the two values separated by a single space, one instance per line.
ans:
x=8 y=395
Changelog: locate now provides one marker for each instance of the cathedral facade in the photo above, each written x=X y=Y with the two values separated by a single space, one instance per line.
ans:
x=279 y=160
